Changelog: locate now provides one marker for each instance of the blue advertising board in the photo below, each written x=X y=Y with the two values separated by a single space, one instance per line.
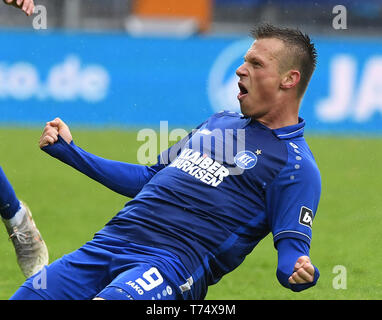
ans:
x=115 y=80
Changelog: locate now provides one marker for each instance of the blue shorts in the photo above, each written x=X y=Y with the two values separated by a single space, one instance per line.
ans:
x=111 y=269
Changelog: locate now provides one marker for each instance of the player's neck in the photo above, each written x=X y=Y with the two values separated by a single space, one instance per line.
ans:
x=281 y=115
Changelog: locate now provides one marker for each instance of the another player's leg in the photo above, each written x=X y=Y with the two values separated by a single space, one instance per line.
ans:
x=31 y=250
x=79 y=275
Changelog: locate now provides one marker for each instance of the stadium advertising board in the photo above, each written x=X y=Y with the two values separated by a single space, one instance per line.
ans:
x=114 y=80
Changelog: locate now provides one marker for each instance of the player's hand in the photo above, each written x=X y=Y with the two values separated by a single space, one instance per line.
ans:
x=303 y=271
x=52 y=130
x=26 y=5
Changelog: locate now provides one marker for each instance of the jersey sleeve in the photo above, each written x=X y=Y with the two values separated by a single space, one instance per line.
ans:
x=124 y=178
x=289 y=250
x=292 y=198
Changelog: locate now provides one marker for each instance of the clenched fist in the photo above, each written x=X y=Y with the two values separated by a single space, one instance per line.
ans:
x=52 y=130
x=26 y=5
x=303 y=271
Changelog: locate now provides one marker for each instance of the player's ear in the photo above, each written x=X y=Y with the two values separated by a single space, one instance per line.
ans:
x=290 y=79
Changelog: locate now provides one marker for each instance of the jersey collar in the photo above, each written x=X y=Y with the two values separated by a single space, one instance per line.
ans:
x=284 y=133
x=289 y=132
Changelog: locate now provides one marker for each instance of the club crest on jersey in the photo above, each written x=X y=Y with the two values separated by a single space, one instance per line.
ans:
x=246 y=160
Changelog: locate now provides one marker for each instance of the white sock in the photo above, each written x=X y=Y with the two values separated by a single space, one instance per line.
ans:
x=16 y=219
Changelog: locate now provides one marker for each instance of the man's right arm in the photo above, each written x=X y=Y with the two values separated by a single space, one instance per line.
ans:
x=26 y=5
x=124 y=178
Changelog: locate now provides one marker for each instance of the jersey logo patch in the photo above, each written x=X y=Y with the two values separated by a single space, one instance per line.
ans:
x=246 y=160
x=306 y=217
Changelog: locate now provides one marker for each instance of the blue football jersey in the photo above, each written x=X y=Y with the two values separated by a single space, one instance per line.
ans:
x=222 y=189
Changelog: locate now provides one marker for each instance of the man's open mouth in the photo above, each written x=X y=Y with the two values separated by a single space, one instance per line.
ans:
x=243 y=91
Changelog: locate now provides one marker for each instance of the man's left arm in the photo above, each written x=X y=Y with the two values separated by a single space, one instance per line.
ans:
x=295 y=270
x=26 y=5
x=292 y=202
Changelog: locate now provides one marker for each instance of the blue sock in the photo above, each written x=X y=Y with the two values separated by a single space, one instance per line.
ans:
x=9 y=204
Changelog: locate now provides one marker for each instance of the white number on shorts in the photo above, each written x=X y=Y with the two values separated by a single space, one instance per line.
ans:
x=151 y=282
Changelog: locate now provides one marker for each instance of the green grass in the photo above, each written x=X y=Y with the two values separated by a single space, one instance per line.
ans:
x=69 y=208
